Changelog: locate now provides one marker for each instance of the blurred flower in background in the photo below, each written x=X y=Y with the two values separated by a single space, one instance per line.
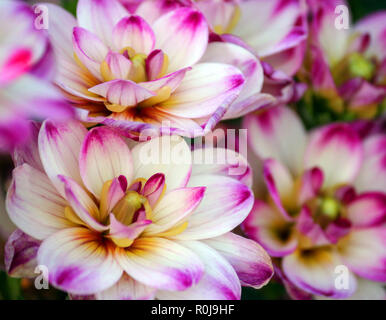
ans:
x=26 y=66
x=345 y=62
x=324 y=205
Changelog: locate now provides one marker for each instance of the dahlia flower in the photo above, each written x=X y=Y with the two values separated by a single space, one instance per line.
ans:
x=236 y=39
x=347 y=67
x=139 y=222
x=25 y=70
x=323 y=206
x=125 y=73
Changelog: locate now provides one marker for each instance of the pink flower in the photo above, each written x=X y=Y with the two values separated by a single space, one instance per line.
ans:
x=321 y=202
x=237 y=39
x=135 y=76
x=347 y=66
x=26 y=66
x=120 y=222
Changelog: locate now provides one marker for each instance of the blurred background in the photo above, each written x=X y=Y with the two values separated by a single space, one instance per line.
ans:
x=19 y=289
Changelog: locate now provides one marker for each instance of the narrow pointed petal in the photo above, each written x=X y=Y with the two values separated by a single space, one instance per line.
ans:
x=226 y=204
x=79 y=262
x=100 y=17
x=29 y=153
x=90 y=50
x=314 y=271
x=161 y=263
x=124 y=234
x=221 y=161
x=367 y=210
x=311 y=182
x=59 y=147
x=118 y=67
x=219 y=282
x=153 y=188
x=267 y=226
x=34 y=205
x=364 y=252
x=103 y=157
x=204 y=89
x=249 y=65
x=280 y=186
x=268 y=128
x=183 y=35
x=169 y=155
x=134 y=32
x=250 y=261
x=127 y=289
x=372 y=176
x=82 y=204
x=169 y=212
x=337 y=150
x=125 y=93
x=20 y=255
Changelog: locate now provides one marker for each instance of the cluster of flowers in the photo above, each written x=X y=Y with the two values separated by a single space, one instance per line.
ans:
x=108 y=221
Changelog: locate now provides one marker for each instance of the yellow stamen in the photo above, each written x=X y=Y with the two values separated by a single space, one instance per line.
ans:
x=360 y=66
x=330 y=207
x=72 y=216
x=174 y=231
x=162 y=95
x=130 y=51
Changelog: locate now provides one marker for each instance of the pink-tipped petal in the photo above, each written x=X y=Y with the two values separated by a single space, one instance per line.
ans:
x=267 y=226
x=250 y=261
x=90 y=50
x=226 y=204
x=219 y=281
x=104 y=156
x=169 y=155
x=221 y=161
x=280 y=186
x=79 y=262
x=367 y=210
x=251 y=68
x=154 y=188
x=266 y=131
x=34 y=205
x=127 y=289
x=29 y=152
x=204 y=89
x=161 y=263
x=100 y=17
x=20 y=255
x=82 y=204
x=125 y=93
x=183 y=35
x=313 y=271
x=59 y=146
x=364 y=252
x=337 y=150
x=175 y=207
x=133 y=32
x=311 y=182
x=372 y=176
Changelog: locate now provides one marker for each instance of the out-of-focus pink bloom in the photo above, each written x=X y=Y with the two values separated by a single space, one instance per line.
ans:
x=131 y=223
x=324 y=203
x=123 y=72
x=26 y=66
x=347 y=66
